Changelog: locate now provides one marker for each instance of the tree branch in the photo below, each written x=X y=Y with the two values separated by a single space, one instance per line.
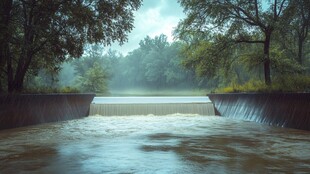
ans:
x=275 y=9
x=248 y=18
x=250 y=41
x=256 y=10
x=281 y=7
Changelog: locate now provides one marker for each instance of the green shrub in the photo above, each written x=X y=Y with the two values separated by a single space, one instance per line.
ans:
x=48 y=90
x=299 y=83
x=287 y=83
x=250 y=86
x=69 y=89
x=39 y=90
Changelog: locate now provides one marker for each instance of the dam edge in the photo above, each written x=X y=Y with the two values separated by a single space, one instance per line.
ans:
x=30 y=109
x=290 y=110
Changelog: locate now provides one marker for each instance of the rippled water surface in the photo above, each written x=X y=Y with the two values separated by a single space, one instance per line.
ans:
x=154 y=144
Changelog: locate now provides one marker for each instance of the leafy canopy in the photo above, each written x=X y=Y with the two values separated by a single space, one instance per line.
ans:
x=40 y=34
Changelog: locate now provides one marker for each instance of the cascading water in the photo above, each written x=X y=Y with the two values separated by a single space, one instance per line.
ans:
x=122 y=106
x=25 y=110
x=176 y=143
x=290 y=110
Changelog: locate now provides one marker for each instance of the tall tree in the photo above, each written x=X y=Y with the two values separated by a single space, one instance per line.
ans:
x=36 y=33
x=239 y=21
x=5 y=35
x=156 y=64
x=301 y=25
x=94 y=79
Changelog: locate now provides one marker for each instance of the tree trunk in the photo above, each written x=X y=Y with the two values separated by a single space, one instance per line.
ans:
x=300 y=50
x=5 y=37
x=267 y=58
x=21 y=71
x=10 y=73
x=16 y=81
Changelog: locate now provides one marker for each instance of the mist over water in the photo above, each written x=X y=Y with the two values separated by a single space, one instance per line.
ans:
x=177 y=143
x=153 y=69
x=157 y=92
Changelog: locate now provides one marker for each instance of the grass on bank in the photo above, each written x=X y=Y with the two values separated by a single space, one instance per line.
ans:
x=300 y=83
x=121 y=92
x=282 y=84
x=49 y=90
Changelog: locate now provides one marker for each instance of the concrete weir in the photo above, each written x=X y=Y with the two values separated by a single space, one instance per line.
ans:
x=30 y=109
x=123 y=106
x=291 y=110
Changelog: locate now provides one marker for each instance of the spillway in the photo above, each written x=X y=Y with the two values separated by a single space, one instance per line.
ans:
x=29 y=109
x=124 y=106
x=177 y=143
x=290 y=110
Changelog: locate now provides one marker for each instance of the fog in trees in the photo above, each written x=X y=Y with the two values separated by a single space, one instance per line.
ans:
x=240 y=42
x=220 y=46
x=155 y=66
x=37 y=35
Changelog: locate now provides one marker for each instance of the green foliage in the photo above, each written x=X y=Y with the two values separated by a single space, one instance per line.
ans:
x=93 y=70
x=250 y=86
x=94 y=80
x=43 y=79
x=156 y=64
x=282 y=64
x=206 y=57
x=43 y=34
x=229 y=41
x=68 y=89
x=288 y=83
x=48 y=90
x=292 y=83
x=227 y=26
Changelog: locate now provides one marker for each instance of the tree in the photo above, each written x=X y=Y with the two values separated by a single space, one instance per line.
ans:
x=238 y=21
x=155 y=60
x=301 y=24
x=44 y=33
x=94 y=69
x=94 y=79
x=156 y=64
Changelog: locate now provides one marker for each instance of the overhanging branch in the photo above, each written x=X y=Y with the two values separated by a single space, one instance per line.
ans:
x=250 y=41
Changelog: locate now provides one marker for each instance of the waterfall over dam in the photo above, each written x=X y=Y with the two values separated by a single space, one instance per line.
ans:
x=122 y=106
x=291 y=110
x=30 y=109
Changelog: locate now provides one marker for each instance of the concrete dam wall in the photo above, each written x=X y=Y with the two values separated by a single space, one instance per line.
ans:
x=291 y=110
x=24 y=110
x=125 y=106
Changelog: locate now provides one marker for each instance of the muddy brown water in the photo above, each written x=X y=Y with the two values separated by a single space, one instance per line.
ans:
x=154 y=144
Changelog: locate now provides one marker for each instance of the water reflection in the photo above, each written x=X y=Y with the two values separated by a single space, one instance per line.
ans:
x=154 y=144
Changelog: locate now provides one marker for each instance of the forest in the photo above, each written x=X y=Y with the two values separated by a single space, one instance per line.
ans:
x=221 y=46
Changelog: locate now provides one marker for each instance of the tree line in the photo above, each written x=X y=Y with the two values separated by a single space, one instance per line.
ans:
x=37 y=34
x=232 y=38
x=219 y=43
x=156 y=65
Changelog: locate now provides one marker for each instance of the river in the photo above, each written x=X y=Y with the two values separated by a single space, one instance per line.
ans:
x=154 y=144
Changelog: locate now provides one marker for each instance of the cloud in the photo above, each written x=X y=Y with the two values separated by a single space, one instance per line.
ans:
x=155 y=17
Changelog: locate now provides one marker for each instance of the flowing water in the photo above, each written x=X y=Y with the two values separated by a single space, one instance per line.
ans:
x=154 y=144
x=123 y=106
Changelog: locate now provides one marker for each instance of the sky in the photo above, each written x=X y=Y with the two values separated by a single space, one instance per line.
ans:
x=153 y=18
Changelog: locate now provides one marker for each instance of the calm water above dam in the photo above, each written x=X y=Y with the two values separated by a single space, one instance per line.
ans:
x=150 y=100
x=154 y=144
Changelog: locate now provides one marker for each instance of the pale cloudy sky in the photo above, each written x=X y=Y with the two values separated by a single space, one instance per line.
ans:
x=154 y=17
